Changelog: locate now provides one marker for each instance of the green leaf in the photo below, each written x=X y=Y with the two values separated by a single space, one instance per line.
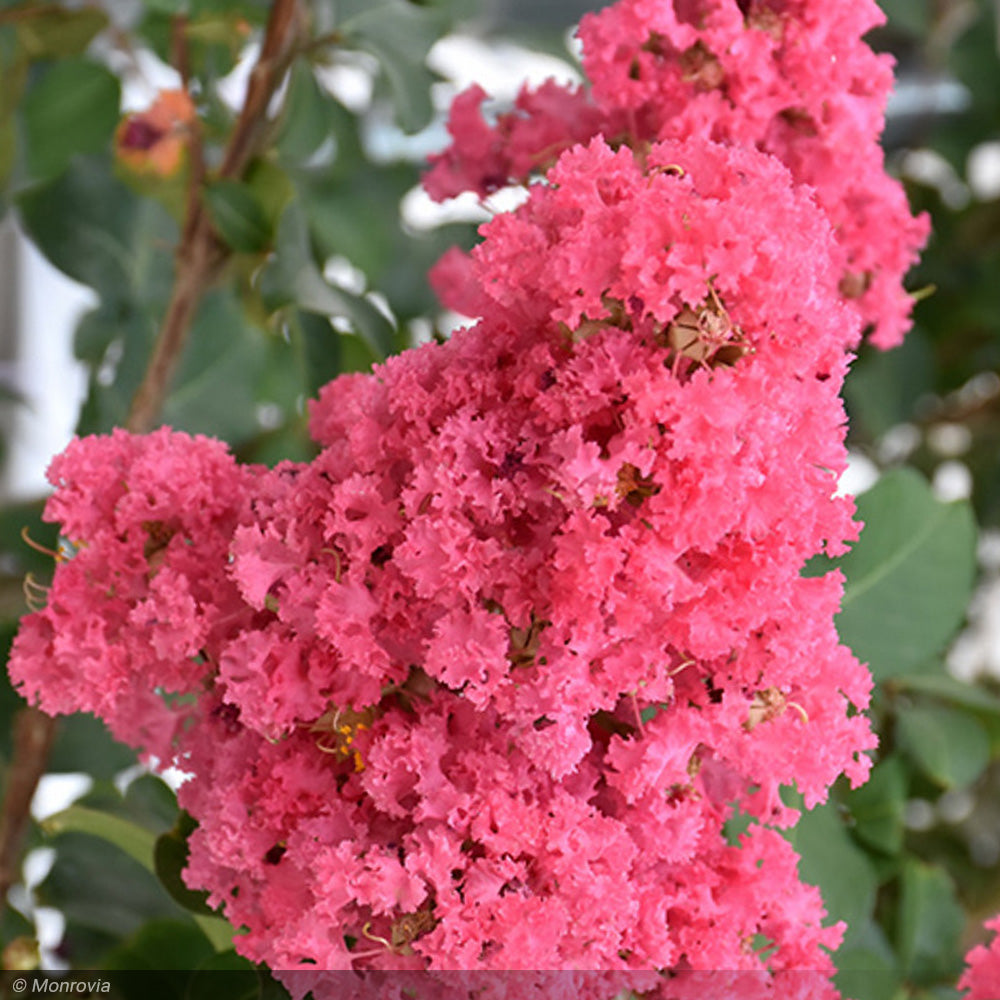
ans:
x=909 y=577
x=306 y=121
x=131 y=332
x=104 y=895
x=948 y=745
x=10 y=701
x=293 y=278
x=83 y=743
x=866 y=964
x=237 y=216
x=835 y=864
x=237 y=979
x=73 y=109
x=53 y=32
x=148 y=801
x=942 y=685
x=15 y=520
x=320 y=350
x=929 y=924
x=357 y=216
x=134 y=840
x=912 y=16
x=171 y=858
x=161 y=944
x=272 y=189
x=14 y=924
x=93 y=228
x=878 y=806
x=215 y=389
x=326 y=353
x=399 y=35
x=883 y=388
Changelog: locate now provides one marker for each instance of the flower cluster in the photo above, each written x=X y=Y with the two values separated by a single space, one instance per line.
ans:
x=495 y=680
x=485 y=681
x=790 y=77
x=982 y=977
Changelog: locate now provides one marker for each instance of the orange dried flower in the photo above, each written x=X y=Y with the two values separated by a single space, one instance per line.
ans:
x=153 y=141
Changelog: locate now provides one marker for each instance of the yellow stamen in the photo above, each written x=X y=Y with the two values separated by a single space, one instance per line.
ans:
x=45 y=550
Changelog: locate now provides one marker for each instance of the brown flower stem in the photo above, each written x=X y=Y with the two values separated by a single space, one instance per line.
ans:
x=198 y=260
x=34 y=732
x=199 y=254
x=198 y=257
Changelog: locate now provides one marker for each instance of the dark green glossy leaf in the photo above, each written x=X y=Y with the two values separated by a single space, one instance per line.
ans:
x=22 y=557
x=161 y=944
x=103 y=893
x=358 y=216
x=909 y=577
x=128 y=837
x=238 y=217
x=399 y=35
x=10 y=701
x=832 y=861
x=326 y=353
x=129 y=335
x=929 y=924
x=912 y=16
x=948 y=745
x=151 y=803
x=94 y=334
x=877 y=806
x=306 y=121
x=226 y=357
x=72 y=109
x=171 y=858
x=14 y=924
x=883 y=387
x=83 y=743
x=214 y=390
x=226 y=976
x=271 y=188
x=148 y=803
x=292 y=277
x=941 y=685
x=94 y=229
x=321 y=350
x=866 y=964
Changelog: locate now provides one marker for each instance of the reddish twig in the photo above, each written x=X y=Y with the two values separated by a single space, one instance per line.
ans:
x=34 y=732
x=199 y=253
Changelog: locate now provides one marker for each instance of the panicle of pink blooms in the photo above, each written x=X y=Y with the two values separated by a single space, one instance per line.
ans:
x=791 y=77
x=149 y=520
x=483 y=686
x=982 y=977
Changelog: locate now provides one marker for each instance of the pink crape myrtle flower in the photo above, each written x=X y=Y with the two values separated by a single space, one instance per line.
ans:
x=982 y=977
x=482 y=685
x=791 y=77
